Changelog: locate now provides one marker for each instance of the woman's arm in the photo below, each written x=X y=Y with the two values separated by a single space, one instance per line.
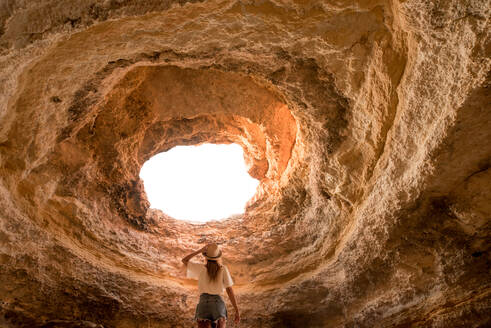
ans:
x=186 y=259
x=231 y=295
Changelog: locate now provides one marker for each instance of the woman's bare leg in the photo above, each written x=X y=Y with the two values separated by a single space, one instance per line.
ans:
x=204 y=324
x=222 y=322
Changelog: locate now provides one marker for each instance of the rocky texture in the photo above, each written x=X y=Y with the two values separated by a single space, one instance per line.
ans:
x=367 y=122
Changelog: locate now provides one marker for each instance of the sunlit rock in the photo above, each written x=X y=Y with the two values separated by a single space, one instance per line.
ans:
x=367 y=123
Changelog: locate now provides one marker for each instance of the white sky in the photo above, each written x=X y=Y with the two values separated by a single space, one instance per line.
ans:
x=199 y=183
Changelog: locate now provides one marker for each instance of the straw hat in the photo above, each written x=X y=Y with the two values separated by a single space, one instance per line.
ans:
x=213 y=252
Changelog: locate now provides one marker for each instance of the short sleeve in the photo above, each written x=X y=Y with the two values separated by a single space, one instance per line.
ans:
x=227 y=278
x=193 y=270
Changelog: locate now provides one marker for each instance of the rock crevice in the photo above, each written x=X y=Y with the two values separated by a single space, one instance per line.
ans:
x=366 y=122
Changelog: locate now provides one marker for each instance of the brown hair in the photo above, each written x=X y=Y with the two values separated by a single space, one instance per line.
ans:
x=212 y=267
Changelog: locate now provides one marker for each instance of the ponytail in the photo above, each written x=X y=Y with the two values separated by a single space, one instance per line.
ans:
x=212 y=267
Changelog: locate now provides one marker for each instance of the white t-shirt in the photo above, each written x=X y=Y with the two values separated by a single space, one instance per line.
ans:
x=198 y=271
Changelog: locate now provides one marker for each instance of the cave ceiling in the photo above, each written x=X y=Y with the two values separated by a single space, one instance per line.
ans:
x=366 y=122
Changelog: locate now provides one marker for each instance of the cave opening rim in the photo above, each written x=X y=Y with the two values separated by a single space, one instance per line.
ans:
x=244 y=125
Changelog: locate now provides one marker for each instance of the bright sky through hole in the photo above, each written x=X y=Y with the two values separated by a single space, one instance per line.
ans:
x=199 y=183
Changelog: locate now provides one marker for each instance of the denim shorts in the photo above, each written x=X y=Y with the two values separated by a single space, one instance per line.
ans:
x=210 y=307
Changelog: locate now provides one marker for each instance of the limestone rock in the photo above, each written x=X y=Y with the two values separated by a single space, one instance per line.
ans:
x=367 y=122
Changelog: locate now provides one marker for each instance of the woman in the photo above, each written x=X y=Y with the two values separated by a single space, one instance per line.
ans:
x=213 y=279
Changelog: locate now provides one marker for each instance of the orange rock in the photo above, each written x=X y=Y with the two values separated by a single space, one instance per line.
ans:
x=366 y=122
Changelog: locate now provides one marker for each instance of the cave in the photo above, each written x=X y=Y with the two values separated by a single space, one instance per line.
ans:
x=365 y=122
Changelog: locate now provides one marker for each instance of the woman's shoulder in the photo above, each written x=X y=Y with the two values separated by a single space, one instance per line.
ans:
x=224 y=267
x=196 y=265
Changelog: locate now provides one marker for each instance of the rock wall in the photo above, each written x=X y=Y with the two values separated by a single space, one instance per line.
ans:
x=367 y=123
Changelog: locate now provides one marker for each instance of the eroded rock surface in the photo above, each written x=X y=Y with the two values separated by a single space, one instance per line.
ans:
x=367 y=122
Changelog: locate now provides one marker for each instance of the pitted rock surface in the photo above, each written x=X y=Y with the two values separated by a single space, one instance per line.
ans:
x=367 y=123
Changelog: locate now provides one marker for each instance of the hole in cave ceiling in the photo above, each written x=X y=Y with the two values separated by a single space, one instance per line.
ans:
x=199 y=183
